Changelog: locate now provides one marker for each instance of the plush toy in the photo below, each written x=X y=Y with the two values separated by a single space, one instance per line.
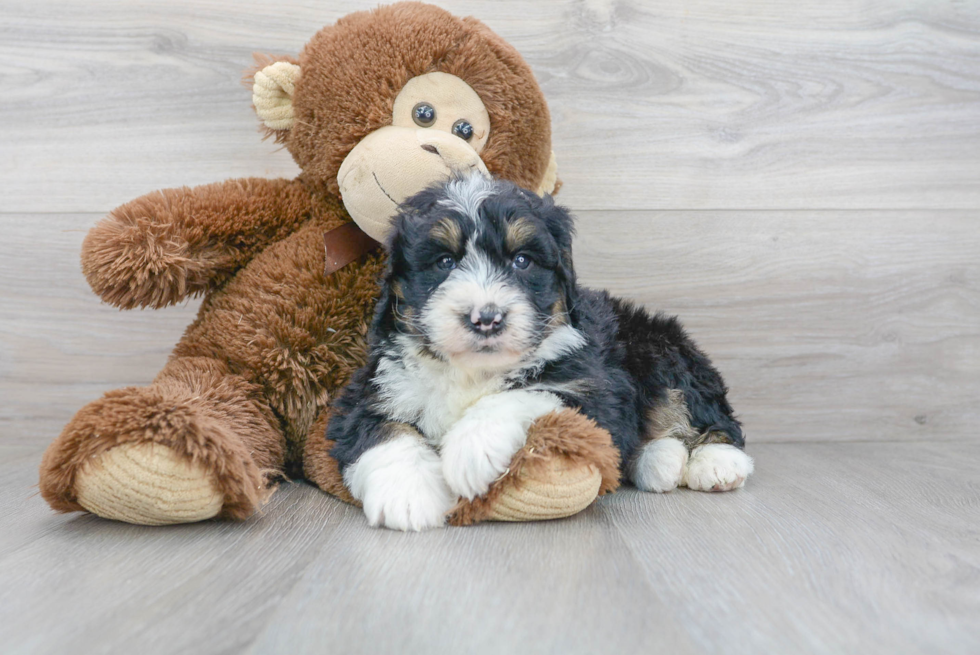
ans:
x=376 y=107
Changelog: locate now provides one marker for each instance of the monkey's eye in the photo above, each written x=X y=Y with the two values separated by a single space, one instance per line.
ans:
x=446 y=263
x=424 y=114
x=521 y=262
x=463 y=129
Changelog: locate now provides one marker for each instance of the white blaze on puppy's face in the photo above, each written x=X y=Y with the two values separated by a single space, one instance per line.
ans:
x=466 y=194
x=448 y=316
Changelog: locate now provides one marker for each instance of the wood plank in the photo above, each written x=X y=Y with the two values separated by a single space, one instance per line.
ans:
x=215 y=587
x=856 y=325
x=20 y=504
x=91 y=585
x=669 y=106
x=827 y=325
x=558 y=587
x=60 y=347
x=830 y=548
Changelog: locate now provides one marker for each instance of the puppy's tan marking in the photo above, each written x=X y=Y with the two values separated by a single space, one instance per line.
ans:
x=559 y=314
x=447 y=232
x=392 y=429
x=519 y=232
x=671 y=418
x=407 y=316
x=713 y=436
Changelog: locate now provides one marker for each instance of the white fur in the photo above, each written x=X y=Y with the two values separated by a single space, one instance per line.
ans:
x=400 y=484
x=660 y=465
x=433 y=395
x=479 y=448
x=466 y=194
x=427 y=392
x=717 y=467
x=562 y=341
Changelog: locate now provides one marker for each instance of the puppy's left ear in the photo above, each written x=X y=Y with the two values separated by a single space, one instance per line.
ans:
x=561 y=225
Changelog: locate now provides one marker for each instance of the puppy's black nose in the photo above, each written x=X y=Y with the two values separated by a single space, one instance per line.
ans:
x=488 y=320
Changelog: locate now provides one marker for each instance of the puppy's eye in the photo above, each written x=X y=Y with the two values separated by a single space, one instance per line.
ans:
x=463 y=129
x=521 y=262
x=424 y=114
x=446 y=263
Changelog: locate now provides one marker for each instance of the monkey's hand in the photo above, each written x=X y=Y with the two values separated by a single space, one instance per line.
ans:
x=168 y=245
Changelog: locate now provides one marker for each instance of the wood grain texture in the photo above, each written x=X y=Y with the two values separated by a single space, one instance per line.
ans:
x=850 y=325
x=830 y=548
x=667 y=105
x=60 y=347
x=798 y=181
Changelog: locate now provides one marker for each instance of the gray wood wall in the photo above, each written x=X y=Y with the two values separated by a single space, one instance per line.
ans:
x=800 y=183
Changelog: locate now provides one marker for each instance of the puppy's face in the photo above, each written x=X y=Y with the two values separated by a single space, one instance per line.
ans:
x=480 y=271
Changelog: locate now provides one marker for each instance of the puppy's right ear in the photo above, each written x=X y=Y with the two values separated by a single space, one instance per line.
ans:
x=385 y=310
x=395 y=240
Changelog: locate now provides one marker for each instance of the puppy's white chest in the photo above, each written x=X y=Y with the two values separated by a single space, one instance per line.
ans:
x=430 y=395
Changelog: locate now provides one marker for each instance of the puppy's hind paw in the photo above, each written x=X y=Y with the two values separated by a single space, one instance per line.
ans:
x=660 y=465
x=717 y=467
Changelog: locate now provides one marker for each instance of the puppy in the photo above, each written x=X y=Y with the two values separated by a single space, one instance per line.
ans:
x=481 y=329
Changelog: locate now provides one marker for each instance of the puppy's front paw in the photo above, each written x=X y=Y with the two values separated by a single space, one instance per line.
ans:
x=477 y=452
x=717 y=467
x=400 y=485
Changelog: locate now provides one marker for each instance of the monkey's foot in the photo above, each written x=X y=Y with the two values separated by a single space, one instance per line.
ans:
x=147 y=484
x=565 y=464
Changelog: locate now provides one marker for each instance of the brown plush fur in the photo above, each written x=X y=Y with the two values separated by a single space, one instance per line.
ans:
x=397 y=43
x=197 y=408
x=319 y=467
x=246 y=390
x=168 y=245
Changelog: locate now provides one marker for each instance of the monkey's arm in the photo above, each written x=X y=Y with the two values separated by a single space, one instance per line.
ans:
x=160 y=248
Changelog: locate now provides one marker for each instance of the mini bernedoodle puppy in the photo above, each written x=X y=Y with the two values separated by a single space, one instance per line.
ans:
x=481 y=329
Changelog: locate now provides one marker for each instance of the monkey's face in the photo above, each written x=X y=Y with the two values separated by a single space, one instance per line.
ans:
x=387 y=102
x=439 y=127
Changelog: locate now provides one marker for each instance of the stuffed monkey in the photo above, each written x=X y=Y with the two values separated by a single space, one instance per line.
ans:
x=376 y=107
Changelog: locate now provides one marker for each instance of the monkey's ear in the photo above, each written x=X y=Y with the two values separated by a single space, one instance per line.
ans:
x=273 y=86
x=550 y=182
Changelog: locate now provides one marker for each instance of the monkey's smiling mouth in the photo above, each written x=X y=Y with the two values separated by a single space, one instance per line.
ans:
x=378 y=182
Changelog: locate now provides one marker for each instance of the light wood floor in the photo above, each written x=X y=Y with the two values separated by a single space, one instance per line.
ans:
x=832 y=548
x=800 y=182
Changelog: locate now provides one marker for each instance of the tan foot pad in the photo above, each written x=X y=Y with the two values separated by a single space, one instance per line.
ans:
x=147 y=484
x=555 y=492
